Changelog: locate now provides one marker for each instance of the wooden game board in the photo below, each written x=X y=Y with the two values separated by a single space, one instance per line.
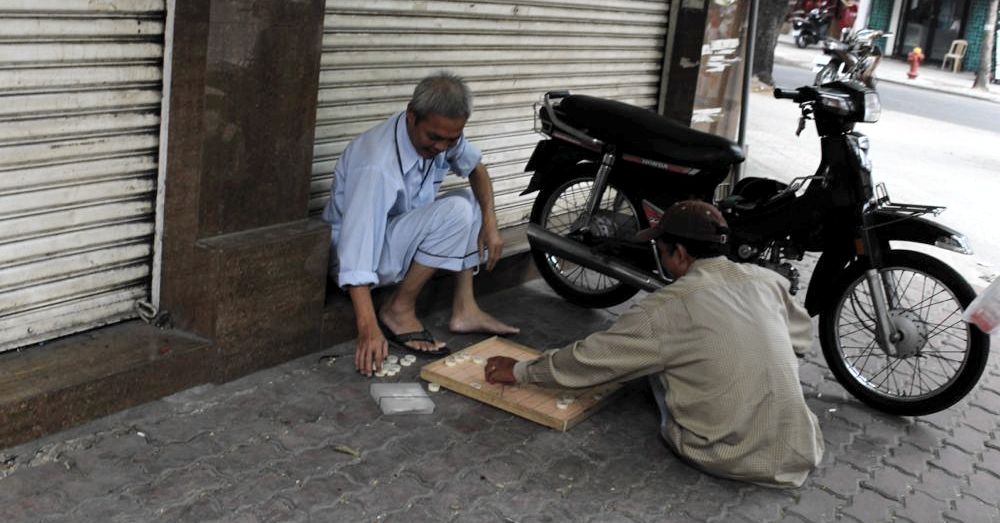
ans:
x=528 y=401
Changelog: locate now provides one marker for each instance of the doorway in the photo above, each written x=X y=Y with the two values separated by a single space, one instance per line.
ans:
x=931 y=25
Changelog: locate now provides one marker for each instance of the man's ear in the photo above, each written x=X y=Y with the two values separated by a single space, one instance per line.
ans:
x=682 y=251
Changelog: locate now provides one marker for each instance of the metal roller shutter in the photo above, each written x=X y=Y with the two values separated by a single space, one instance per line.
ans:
x=80 y=95
x=510 y=53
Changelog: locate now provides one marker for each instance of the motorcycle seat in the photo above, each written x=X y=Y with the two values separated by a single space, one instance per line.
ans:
x=644 y=133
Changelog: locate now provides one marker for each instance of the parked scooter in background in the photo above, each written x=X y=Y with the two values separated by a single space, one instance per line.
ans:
x=811 y=28
x=854 y=57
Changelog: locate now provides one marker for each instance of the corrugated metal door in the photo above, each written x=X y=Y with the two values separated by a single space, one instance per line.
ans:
x=80 y=84
x=510 y=53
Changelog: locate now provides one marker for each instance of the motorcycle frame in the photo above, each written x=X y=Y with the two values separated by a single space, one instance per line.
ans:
x=867 y=233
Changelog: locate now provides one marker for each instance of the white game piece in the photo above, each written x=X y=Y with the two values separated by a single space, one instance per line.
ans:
x=405 y=362
x=461 y=356
x=561 y=405
x=450 y=361
x=476 y=385
x=567 y=398
x=392 y=373
x=410 y=357
x=478 y=360
x=433 y=387
x=392 y=358
x=380 y=373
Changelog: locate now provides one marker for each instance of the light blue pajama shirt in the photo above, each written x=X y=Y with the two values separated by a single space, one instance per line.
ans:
x=383 y=214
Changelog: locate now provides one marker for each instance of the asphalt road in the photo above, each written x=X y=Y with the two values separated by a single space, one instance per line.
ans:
x=960 y=110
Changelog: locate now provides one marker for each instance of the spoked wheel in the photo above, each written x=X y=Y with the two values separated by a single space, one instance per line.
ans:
x=939 y=357
x=558 y=210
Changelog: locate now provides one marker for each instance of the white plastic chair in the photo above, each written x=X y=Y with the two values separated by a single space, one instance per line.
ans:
x=956 y=53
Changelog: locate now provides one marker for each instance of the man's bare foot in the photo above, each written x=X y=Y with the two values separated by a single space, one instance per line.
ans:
x=406 y=324
x=479 y=321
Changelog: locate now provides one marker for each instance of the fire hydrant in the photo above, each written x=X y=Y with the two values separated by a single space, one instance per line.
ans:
x=914 y=57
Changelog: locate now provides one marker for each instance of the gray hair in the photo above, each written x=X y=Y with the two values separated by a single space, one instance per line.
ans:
x=441 y=93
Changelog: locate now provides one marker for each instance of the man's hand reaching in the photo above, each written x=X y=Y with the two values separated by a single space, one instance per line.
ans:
x=370 y=352
x=500 y=369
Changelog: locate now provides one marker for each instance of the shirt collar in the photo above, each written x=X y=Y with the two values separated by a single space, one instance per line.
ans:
x=408 y=155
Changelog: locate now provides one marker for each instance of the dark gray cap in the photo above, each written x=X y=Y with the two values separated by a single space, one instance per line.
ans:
x=690 y=219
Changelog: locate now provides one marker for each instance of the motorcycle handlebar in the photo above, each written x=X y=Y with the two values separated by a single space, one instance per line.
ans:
x=790 y=94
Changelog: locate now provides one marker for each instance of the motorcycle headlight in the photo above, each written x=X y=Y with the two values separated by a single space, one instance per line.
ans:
x=837 y=103
x=873 y=107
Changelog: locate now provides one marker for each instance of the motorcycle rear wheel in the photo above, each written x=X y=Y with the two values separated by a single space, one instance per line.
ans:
x=557 y=208
x=942 y=356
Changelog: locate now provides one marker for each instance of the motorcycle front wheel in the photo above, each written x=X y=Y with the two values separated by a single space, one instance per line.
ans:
x=558 y=209
x=939 y=357
x=801 y=42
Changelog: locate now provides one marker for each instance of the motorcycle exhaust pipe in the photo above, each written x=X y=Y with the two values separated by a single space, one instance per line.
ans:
x=575 y=252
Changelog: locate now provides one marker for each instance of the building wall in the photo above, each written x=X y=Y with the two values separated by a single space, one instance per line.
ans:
x=974 y=34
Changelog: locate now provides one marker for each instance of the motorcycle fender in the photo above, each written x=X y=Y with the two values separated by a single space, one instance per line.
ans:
x=890 y=226
x=825 y=277
x=551 y=162
x=896 y=226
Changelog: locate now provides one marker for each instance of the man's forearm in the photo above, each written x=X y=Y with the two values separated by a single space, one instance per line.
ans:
x=364 y=308
x=482 y=188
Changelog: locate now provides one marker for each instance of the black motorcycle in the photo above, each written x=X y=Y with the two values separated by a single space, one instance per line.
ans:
x=811 y=28
x=889 y=319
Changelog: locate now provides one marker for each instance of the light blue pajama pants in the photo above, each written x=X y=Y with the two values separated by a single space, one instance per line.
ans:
x=443 y=235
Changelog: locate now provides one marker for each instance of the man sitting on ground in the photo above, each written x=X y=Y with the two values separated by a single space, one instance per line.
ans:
x=388 y=227
x=719 y=346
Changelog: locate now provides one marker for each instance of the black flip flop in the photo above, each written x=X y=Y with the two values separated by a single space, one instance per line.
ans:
x=399 y=341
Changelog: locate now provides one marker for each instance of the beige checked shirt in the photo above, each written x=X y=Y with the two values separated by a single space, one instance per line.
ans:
x=722 y=339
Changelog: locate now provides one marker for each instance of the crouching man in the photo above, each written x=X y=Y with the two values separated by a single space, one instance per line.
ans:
x=719 y=346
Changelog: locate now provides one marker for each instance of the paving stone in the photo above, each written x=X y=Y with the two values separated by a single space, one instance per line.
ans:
x=176 y=485
x=310 y=492
x=869 y=506
x=939 y=484
x=919 y=507
x=989 y=460
x=279 y=508
x=702 y=502
x=983 y=486
x=203 y=508
x=967 y=438
x=971 y=510
x=863 y=453
x=890 y=483
x=837 y=435
x=886 y=430
x=816 y=505
x=925 y=435
x=907 y=458
x=393 y=493
x=373 y=465
x=980 y=419
x=759 y=504
x=954 y=461
x=945 y=419
x=841 y=479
